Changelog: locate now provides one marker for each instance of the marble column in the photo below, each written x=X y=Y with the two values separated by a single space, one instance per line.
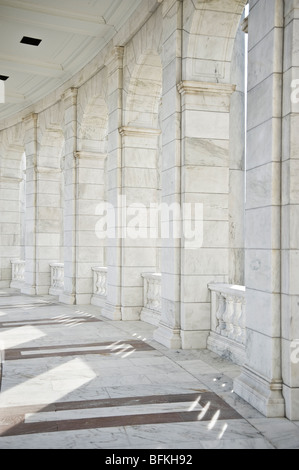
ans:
x=237 y=163
x=90 y=182
x=10 y=230
x=114 y=64
x=169 y=331
x=30 y=123
x=261 y=380
x=290 y=214
x=48 y=224
x=205 y=191
x=70 y=207
x=140 y=180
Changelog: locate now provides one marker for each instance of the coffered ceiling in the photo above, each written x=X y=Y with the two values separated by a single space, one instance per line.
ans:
x=72 y=32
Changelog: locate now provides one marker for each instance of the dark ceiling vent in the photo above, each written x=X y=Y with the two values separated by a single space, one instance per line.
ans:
x=4 y=78
x=31 y=41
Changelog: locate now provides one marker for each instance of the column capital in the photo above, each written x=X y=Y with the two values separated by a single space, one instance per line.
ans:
x=114 y=59
x=10 y=179
x=44 y=169
x=127 y=131
x=30 y=119
x=195 y=88
x=85 y=155
x=70 y=94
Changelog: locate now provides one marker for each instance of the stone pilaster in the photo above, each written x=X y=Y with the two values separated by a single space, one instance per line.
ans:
x=10 y=230
x=140 y=181
x=30 y=123
x=205 y=196
x=70 y=209
x=290 y=215
x=48 y=224
x=168 y=332
x=90 y=248
x=261 y=381
x=114 y=65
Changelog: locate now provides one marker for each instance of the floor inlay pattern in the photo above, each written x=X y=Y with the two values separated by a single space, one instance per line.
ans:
x=92 y=414
x=67 y=320
x=72 y=379
x=104 y=349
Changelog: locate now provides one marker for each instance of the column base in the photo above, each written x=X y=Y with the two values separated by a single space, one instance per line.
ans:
x=68 y=299
x=28 y=290
x=98 y=301
x=258 y=392
x=130 y=313
x=83 y=299
x=291 y=396
x=227 y=348
x=15 y=285
x=194 y=339
x=5 y=285
x=150 y=316
x=111 y=312
x=169 y=337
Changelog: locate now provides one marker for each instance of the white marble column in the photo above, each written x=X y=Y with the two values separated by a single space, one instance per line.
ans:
x=30 y=123
x=290 y=214
x=261 y=381
x=168 y=332
x=48 y=224
x=114 y=65
x=90 y=182
x=140 y=148
x=205 y=190
x=70 y=207
x=237 y=163
x=10 y=230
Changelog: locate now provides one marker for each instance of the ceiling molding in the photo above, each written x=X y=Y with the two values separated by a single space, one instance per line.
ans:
x=14 y=97
x=39 y=67
x=53 y=26
x=53 y=11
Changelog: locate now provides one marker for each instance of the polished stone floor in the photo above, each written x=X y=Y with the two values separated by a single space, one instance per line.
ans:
x=72 y=379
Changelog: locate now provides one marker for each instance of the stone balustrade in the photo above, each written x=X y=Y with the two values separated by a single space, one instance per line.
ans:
x=151 y=312
x=228 y=320
x=18 y=273
x=99 y=286
x=57 y=278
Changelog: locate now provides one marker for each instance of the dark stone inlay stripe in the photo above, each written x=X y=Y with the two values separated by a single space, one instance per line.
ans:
x=14 y=424
x=47 y=321
x=16 y=354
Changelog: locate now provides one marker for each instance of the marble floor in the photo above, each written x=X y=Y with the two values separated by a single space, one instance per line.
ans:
x=72 y=379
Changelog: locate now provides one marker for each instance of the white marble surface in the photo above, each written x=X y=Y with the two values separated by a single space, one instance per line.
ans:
x=41 y=381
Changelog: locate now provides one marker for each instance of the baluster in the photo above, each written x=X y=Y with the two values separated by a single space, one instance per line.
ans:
x=228 y=316
x=220 y=313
